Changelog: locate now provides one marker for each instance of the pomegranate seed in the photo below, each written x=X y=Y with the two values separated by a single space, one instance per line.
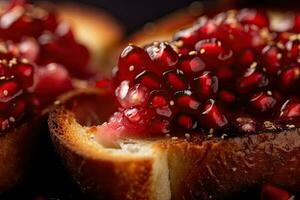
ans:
x=251 y=81
x=175 y=79
x=191 y=65
x=207 y=85
x=211 y=116
x=271 y=59
x=158 y=99
x=224 y=75
x=29 y=48
x=24 y=72
x=130 y=97
x=59 y=78
x=246 y=58
x=207 y=28
x=290 y=111
x=163 y=55
x=253 y=17
x=209 y=47
x=186 y=121
x=132 y=115
x=149 y=80
x=291 y=52
x=164 y=111
x=227 y=96
x=9 y=90
x=213 y=53
x=185 y=100
x=159 y=127
x=232 y=36
x=129 y=122
x=131 y=61
x=290 y=79
x=188 y=36
x=17 y=108
x=270 y=192
x=263 y=102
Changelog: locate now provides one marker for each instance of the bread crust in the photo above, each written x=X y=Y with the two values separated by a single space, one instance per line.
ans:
x=198 y=168
x=17 y=152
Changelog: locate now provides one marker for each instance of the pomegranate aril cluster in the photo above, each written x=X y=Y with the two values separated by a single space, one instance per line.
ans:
x=232 y=74
x=42 y=38
x=16 y=99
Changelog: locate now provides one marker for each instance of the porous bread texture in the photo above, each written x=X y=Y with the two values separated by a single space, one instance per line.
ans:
x=135 y=170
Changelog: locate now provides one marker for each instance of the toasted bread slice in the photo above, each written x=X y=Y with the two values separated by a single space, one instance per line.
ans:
x=170 y=168
x=17 y=152
x=132 y=171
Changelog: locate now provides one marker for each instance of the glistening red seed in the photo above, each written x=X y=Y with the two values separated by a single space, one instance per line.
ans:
x=226 y=75
x=211 y=116
x=207 y=85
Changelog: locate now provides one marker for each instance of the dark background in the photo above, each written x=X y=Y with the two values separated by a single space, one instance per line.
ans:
x=134 y=13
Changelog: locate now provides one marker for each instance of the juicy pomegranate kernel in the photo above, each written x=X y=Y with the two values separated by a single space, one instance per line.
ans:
x=24 y=73
x=9 y=90
x=263 y=102
x=59 y=78
x=149 y=80
x=176 y=80
x=191 y=65
x=129 y=97
x=207 y=85
x=290 y=111
x=17 y=108
x=251 y=81
x=246 y=58
x=131 y=61
x=159 y=127
x=290 y=79
x=291 y=52
x=187 y=121
x=231 y=74
x=227 y=96
x=184 y=99
x=163 y=55
x=271 y=59
x=158 y=99
x=212 y=117
x=253 y=17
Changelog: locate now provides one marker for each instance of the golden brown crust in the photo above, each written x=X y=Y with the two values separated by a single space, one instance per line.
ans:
x=16 y=153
